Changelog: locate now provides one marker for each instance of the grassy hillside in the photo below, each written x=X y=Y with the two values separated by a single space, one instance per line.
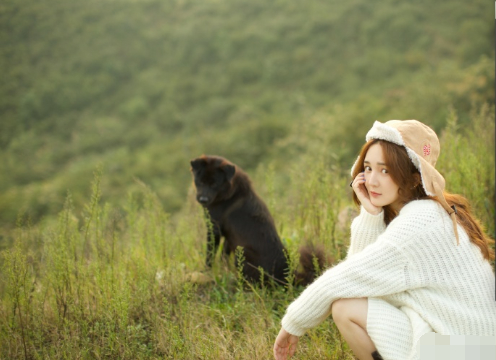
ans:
x=112 y=282
x=141 y=87
x=103 y=103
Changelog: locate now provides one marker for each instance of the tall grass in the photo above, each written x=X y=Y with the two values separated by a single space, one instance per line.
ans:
x=115 y=283
x=467 y=159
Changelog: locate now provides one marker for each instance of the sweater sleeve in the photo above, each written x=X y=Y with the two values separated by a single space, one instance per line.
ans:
x=378 y=270
x=365 y=229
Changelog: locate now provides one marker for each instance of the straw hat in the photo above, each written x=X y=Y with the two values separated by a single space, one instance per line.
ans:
x=422 y=146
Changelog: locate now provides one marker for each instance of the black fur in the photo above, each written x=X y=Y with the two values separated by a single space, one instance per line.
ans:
x=242 y=218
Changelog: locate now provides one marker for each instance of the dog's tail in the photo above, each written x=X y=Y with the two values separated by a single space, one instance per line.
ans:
x=313 y=261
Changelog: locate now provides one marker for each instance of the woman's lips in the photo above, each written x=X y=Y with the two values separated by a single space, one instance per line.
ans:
x=374 y=194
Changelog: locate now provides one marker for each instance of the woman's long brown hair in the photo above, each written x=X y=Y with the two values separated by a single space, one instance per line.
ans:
x=407 y=177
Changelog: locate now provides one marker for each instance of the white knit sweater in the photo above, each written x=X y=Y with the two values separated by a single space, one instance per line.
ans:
x=416 y=279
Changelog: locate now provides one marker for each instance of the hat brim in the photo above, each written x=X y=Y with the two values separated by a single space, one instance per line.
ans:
x=432 y=181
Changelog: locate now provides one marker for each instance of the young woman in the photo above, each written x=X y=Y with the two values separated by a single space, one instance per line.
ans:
x=418 y=260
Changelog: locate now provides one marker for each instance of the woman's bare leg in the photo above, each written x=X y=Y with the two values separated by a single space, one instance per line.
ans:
x=350 y=316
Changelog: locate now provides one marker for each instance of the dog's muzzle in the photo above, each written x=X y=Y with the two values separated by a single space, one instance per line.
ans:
x=203 y=199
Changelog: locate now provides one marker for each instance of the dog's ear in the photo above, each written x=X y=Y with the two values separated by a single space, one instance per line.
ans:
x=197 y=164
x=229 y=170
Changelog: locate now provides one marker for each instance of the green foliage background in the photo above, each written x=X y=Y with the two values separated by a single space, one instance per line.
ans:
x=122 y=94
x=144 y=86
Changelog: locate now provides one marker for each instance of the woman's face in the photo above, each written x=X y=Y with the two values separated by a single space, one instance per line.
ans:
x=380 y=186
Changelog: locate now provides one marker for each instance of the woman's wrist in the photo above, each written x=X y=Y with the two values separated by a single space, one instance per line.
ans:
x=373 y=210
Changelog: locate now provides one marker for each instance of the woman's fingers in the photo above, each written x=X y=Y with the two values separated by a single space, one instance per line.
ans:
x=293 y=341
x=285 y=345
x=281 y=345
x=359 y=188
x=362 y=194
x=280 y=353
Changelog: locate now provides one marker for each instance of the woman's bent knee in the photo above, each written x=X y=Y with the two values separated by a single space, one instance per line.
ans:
x=339 y=310
x=350 y=310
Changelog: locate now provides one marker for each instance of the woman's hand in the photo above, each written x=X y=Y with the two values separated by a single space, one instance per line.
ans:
x=362 y=194
x=285 y=345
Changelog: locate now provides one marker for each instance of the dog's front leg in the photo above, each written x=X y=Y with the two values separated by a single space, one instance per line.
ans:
x=213 y=241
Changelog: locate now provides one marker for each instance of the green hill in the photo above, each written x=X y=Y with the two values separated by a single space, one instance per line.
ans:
x=141 y=87
x=137 y=88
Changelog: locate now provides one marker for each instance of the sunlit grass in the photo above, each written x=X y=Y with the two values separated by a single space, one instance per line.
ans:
x=106 y=282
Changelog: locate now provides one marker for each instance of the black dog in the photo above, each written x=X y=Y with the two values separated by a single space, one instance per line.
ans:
x=243 y=219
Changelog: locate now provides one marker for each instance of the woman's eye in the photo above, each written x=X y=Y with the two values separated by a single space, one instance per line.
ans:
x=384 y=171
x=367 y=168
